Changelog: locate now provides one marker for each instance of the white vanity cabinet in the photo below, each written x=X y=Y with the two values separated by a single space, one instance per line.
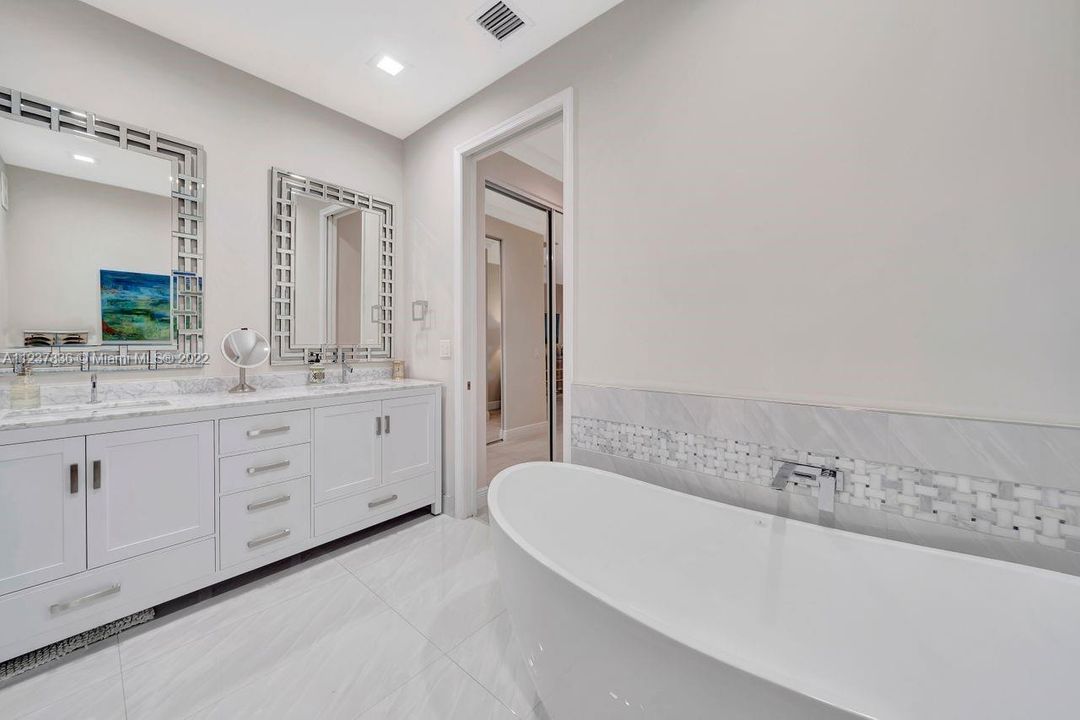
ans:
x=348 y=457
x=42 y=512
x=148 y=489
x=110 y=513
x=371 y=458
x=408 y=437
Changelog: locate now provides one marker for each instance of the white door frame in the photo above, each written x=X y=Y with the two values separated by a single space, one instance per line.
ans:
x=468 y=440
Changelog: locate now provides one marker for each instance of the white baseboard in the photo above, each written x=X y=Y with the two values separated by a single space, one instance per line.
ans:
x=495 y=405
x=512 y=433
x=481 y=499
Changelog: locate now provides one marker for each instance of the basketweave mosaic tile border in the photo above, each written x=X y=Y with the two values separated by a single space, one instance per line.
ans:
x=1000 y=508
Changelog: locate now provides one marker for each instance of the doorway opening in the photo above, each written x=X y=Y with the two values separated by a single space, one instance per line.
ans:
x=523 y=305
x=514 y=189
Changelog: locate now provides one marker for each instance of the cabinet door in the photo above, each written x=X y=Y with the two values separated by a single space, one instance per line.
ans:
x=347 y=450
x=148 y=489
x=408 y=437
x=42 y=512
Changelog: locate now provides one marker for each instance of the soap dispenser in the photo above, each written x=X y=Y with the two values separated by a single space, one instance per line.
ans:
x=316 y=371
x=25 y=393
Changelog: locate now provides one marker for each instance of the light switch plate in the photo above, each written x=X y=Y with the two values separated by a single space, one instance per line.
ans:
x=444 y=348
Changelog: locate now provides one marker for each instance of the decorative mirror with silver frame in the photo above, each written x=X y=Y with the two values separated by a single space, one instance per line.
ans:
x=331 y=272
x=102 y=241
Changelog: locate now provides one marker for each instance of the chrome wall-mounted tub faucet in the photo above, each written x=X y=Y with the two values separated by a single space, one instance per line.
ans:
x=828 y=480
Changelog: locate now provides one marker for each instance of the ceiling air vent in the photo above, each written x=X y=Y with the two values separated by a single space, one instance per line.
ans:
x=500 y=20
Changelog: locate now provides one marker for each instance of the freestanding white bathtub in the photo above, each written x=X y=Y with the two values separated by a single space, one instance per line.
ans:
x=633 y=601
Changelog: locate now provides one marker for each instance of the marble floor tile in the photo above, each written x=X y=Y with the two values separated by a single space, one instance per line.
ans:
x=539 y=713
x=447 y=587
x=396 y=573
x=340 y=677
x=394 y=540
x=491 y=656
x=102 y=700
x=59 y=680
x=199 y=673
x=146 y=642
x=443 y=691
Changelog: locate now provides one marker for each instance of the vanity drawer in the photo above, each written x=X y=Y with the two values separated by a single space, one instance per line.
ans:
x=355 y=510
x=260 y=432
x=265 y=520
x=252 y=470
x=104 y=594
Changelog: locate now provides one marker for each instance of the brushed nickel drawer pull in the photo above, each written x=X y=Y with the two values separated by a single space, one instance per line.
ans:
x=386 y=424
x=74 y=479
x=377 y=503
x=97 y=474
x=279 y=535
x=268 y=503
x=72 y=604
x=256 y=469
x=268 y=431
x=378 y=426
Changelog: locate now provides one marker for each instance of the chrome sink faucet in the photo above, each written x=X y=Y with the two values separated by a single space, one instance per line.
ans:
x=93 y=389
x=346 y=368
x=828 y=480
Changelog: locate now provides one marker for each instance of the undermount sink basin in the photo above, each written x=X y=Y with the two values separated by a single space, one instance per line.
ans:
x=84 y=407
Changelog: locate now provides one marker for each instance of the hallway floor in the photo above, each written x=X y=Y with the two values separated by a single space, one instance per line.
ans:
x=524 y=446
x=405 y=624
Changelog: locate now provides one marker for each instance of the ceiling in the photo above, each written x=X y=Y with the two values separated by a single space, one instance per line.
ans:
x=542 y=149
x=323 y=49
x=24 y=145
x=525 y=216
x=516 y=213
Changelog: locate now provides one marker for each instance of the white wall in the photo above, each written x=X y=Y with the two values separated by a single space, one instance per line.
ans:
x=863 y=203
x=61 y=232
x=68 y=52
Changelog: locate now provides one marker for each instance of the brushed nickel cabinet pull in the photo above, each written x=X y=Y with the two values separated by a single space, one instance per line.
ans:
x=377 y=503
x=386 y=423
x=378 y=425
x=74 y=479
x=279 y=535
x=268 y=503
x=256 y=469
x=268 y=431
x=97 y=474
x=72 y=604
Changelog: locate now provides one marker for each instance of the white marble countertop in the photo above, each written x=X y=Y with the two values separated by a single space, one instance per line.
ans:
x=131 y=407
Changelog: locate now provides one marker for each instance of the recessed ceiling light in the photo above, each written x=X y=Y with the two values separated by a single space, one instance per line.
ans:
x=84 y=158
x=389 y=65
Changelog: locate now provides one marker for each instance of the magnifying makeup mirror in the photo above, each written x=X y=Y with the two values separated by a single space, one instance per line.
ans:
x=245 y=348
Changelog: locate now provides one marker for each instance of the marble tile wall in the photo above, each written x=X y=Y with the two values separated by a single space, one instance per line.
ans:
x=1002 y=490
x=72 y=392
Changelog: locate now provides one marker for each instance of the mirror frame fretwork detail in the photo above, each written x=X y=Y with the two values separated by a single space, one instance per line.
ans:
x=283 y=186
x=188 y=192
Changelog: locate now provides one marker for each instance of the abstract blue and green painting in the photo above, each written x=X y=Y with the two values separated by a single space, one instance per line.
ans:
x=135 y=307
